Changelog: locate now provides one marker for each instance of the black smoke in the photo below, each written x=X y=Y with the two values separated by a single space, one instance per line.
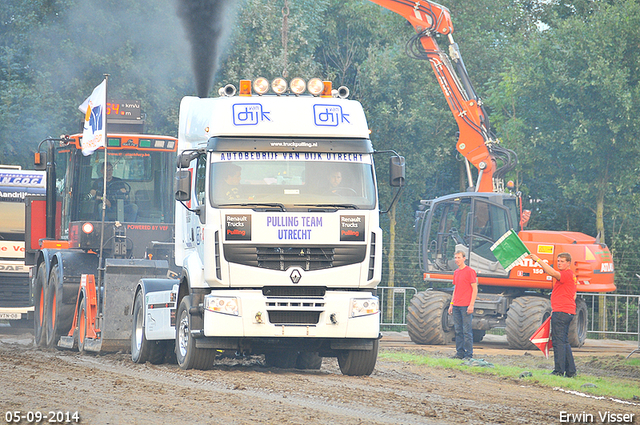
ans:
x=206 y=23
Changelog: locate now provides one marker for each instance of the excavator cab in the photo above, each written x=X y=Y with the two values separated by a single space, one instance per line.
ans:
x=470 y=222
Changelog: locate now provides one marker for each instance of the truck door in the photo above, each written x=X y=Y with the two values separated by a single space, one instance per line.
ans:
x=487 y=223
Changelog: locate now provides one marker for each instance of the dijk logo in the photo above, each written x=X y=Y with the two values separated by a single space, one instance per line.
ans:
x=329 y=115
x=249 y=114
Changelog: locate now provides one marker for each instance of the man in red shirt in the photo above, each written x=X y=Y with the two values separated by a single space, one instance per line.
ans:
x=465 y=291
x=563 y=307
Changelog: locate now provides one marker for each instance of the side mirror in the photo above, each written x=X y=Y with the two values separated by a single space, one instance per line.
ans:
x=396 y=171
x=182 y=185
x=185 y=158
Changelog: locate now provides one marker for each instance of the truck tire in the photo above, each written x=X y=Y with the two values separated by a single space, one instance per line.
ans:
x=285 y=359
x=524 y=317
x=39 y=303
x=59 y=316
x=578 y=326
x=427 y=321
x=308 y=360
x=358 y=362
x=143 y=350
x=188 y=355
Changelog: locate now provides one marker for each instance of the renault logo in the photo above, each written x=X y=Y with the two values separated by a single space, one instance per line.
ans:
x=295 y=276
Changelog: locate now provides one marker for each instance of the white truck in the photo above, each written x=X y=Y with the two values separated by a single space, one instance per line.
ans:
x=16 y=303
x=277 y=233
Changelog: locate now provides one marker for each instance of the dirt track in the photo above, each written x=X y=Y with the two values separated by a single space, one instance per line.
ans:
x=110 y=389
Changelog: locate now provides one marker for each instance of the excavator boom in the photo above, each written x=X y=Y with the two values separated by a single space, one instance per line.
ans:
x=475 y=142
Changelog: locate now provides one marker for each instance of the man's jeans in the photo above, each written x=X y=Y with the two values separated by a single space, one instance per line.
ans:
x=562 y=354
x=464 y=333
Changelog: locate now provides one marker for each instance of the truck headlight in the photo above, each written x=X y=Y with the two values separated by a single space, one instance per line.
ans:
x=364 y=307
x=225 y=305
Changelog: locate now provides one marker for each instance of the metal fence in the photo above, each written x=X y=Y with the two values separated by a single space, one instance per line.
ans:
x=393 y=304
x=612 y=315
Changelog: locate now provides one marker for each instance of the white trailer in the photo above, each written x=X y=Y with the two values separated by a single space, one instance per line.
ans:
x=277 y=234
x=16 y=184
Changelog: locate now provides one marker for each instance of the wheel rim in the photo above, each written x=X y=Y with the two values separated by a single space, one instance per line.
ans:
x=41 y=307
x=183 y=334
x=53 y=310
x=138 y=330
x=82 y=330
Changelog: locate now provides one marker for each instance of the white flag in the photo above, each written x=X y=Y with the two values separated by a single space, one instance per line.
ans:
x=95 y=119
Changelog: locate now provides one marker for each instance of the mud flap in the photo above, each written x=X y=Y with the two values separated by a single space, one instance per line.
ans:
x=120 y=280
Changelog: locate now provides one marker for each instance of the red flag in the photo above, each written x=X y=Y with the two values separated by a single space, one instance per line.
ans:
x=541 y=338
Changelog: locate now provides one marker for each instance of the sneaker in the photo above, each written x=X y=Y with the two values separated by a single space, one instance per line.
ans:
x=556 y=373
x=456 y=356
x=570 y=375
x=468 y=358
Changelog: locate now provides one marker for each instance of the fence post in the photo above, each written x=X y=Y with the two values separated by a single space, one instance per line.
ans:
x=637 y=350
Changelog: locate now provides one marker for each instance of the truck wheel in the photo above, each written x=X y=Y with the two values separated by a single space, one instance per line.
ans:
x=308 y=360
x=578 y=326
x=143 y=350
x=82 y=324
x=285 y=359
x=427 y=321
x=59 y=316
x=524 y=317
x=39 y=302
x=358 y=362
x=187 y=354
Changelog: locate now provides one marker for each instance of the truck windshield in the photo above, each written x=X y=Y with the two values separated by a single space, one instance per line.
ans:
x=293 y=180
x=137 y=189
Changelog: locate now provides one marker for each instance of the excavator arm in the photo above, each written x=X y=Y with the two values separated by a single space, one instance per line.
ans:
x=475 y=141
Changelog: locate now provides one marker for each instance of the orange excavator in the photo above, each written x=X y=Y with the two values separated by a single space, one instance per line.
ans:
x=473 y=221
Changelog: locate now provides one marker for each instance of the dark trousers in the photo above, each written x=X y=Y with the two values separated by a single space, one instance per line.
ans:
x=562 y=354
x=464 y=332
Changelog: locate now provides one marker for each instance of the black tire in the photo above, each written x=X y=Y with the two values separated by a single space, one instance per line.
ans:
x=578 y=327
x=308 y=360
x=358 y=362
x=82 y=322
x=39 y=303
x=59 y=316
x=524 y=317
x=285 y=359
x=143 y=350
x=478 y=334
x=188 y=355
x=427 y=321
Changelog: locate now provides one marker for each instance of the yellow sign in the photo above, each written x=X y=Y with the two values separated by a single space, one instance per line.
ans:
x=545 y=249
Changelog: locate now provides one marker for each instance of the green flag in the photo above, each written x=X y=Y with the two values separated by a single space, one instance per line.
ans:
x=509 y=250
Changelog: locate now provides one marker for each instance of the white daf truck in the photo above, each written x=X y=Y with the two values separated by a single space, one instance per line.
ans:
x=16 y=302
x=277 y=232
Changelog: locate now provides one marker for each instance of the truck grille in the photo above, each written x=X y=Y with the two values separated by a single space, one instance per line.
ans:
x=294 y=291
x=283 y=257
x=14 y=290
x=294 y=317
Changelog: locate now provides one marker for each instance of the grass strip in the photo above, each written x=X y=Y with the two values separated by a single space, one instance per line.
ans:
x=618 y=388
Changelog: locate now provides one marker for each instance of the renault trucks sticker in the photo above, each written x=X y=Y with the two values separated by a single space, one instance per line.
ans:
x=352 y=228
x=329 y=115
x=249 y=114
x=237 y=227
